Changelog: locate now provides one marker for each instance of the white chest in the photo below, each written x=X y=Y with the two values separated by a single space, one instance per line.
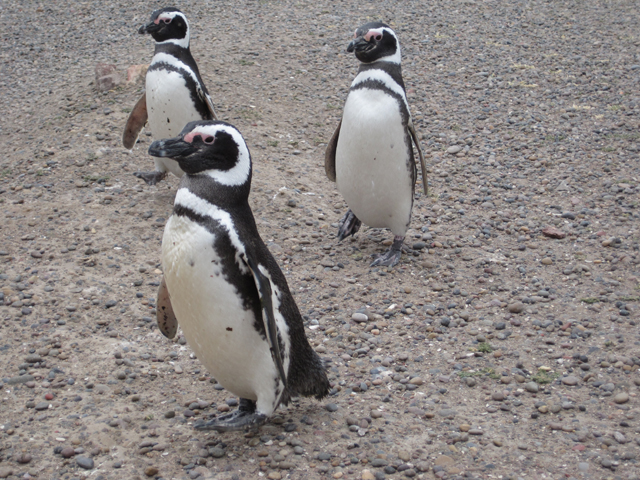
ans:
x=169 y=103
x=372 y=169
x=210 y=311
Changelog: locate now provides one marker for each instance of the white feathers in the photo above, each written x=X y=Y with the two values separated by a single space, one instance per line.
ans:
x=384 y=78
x=185 y=198
x=372 y=167
x=212 y=315
x=173 y=62
x=396 y=57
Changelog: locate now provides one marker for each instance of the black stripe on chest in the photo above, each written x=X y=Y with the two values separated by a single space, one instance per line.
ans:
x=192 y=86
x=222 y=245
x=393 y=71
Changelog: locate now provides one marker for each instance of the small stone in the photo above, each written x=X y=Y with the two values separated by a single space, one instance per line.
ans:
x=151 y=471
x=570 y=380
x=84 y=462
x=470 y=381
x=531 y=387
x=331 y=407
x=367 y=475
x=546 y=261
x=444 y=460
x=6 y=471
x=359 y=317
x=454 y=149
x=517 y=307
x=622 y=397
x=24 y=458
x=553 y=232
x=497 y=396
x=67 y=452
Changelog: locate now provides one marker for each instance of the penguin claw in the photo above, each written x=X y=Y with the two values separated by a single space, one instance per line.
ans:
x=392 y=256
x=237 y=420
x=151 y=178
x=349 y=225
x=389 y=259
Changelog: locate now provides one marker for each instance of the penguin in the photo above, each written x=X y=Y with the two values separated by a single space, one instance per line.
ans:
x=370 y=155
x=175 y=93
x=224 y=286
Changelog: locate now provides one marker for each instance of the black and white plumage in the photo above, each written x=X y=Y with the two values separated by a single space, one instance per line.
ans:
x=224 y=286
x=370 y=155
x=175 y=93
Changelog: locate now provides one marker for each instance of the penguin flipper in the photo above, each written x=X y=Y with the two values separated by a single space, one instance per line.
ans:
x=135 y=123
x=206 y=98
x=167 y=322
x=267 y=293
x=423 y=165
x=330 y=155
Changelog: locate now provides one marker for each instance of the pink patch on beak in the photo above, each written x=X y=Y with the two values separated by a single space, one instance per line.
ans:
x=190 y=136
x=156 y=21
x=373 y=33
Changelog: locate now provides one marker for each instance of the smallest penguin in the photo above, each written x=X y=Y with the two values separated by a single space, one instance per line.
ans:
x=370 y=156
x=175 y=93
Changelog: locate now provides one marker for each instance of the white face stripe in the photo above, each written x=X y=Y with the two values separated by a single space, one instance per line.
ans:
x=181 y=42
x=237 y=175
x=396 y=57
x=174 y=62
x=385 y=79
x=187 y=199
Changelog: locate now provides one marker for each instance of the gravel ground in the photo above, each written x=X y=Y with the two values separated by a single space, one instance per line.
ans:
x=505 y=344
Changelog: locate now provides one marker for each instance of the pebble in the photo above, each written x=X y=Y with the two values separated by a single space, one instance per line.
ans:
x=67 y=452
x=331 y=407
x=359 y=317
x=151 y=471
x=570 y=380
x=7 y=471
x=84 y=462
x=622 y=397
x=531 y=387
x=516 y=307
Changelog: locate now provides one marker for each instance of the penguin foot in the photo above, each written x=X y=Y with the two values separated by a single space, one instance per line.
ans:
x=237 y=420
x=244 y=418
x=151 y=177
x=349 y=225
x=392 y=257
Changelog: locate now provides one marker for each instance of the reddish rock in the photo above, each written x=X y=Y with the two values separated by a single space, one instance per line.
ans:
x=553 y=232
x=136 y=73
x=107 y=78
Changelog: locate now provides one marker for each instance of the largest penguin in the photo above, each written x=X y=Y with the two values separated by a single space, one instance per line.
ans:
x=175 y=93
x=370 y=155
x=223 y=284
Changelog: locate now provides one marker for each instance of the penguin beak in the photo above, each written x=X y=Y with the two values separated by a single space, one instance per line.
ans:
x=172 y=148
x=359 y=45
x=150 y=28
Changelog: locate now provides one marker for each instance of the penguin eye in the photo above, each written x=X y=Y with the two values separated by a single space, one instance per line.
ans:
x=167 y=21
x=378 y=37
x=208 y=140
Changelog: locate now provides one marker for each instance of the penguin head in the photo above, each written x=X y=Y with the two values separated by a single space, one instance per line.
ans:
x=208 y=147
x=375 y=41
x=168 y=25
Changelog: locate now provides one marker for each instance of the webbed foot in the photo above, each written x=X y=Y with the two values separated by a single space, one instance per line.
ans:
x=244 y=418
x=392 y=256
x=349 y=225
x=151 y=177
